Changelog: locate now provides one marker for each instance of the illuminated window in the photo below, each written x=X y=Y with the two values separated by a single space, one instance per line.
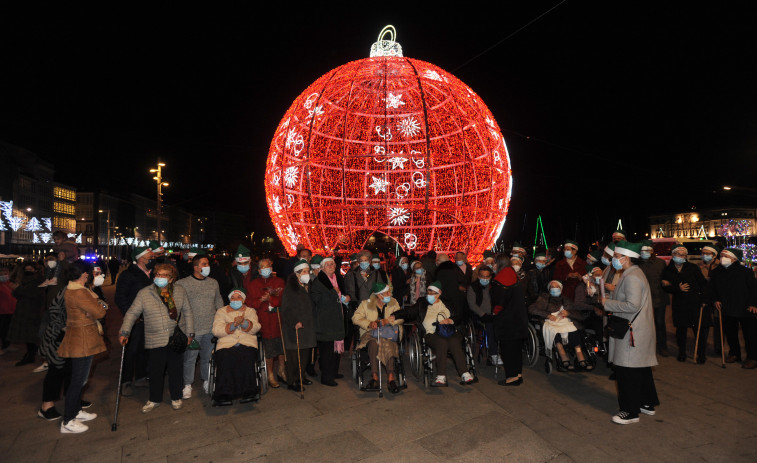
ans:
x=64 y=208
x=64 y=223
x=64 y=193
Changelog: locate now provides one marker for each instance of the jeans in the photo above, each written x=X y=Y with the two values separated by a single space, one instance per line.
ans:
x=79 y=374
x=190 y=358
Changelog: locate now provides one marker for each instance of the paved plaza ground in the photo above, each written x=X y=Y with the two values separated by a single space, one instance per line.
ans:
x=707 y=414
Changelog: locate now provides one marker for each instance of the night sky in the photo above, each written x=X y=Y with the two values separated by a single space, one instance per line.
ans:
x=609 y=109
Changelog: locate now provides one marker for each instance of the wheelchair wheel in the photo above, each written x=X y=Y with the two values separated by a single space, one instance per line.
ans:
x=355 y=366
x=548 y=366
x=469 y=332
x=531 y=347
x=415 y=355
x=262 y=368
x=469 y=358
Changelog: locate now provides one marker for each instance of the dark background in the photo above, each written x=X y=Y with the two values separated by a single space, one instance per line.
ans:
x=610 y=110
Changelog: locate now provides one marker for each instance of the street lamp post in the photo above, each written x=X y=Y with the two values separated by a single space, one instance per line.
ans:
x=108 y=223
x=159 y=180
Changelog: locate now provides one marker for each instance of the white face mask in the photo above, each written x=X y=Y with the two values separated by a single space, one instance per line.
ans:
x=516 y=268
x=205 y=271
x=305 y=279
x=52 y=263
x=99 y=280
x=726 y=262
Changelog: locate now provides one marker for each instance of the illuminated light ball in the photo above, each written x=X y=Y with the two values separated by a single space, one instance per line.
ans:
x=392 y=145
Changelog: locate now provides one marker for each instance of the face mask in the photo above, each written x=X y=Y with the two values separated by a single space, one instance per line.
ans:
x=646 y=255
x=419 y=271
x=403 y=267
x=679 y=260
x=484 y=282
x=540 y=265
x=305 y=279
x=161 y=282
x=568 y=254
x=605 y=261
x=243 y=268
x=616 y=264
x=726 y=262
x=430 y=298
x=597 y=280
x=516 y=268
x=99 y=280
x=364 y=265
x=707 y=258
x=459 y=263
x=376 y=266
x=386 y=299
x=344 y=299
x=205 y=271
x=52 y=263
x=4 y=278
x=236 y=305
x=555 y=292
x=266 y=272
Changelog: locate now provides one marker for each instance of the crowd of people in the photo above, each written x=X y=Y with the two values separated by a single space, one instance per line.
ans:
x=310 y=310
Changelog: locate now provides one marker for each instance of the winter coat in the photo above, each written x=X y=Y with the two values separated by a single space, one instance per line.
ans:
x=546 y=305
x=536 y=283
x=400 y=286
x=368 y=312
x=653 y=269
x=158 y=324
x=735 y=288
x=83 y=309
x=240 y=335
x=479 y=299
x=269 y=321
x=686 y=304
x=54 y=332
x=451 y=278
x=30 y=303
x=329 y=318
x=297 y=307
x=129 y=283
x=631 y=296
x=359 y=288
x=510 y=314
x=7 y=301
x=562 y=269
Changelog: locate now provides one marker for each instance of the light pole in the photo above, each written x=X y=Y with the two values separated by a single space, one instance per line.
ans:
x=108 y=222
x=159 y=180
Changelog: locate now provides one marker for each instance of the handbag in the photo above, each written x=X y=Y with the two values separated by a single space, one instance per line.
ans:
x=617 y=327
x=389 y=332
x=178 y=340
x=442 y=329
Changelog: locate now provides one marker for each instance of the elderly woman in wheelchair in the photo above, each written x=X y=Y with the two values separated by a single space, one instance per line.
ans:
x=558 y=327
x=380 y=333
x=236 y=351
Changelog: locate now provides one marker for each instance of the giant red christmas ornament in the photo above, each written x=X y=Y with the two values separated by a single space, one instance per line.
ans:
x=393 y=145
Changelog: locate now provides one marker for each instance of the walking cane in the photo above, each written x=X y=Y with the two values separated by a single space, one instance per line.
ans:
x=378 y=362
x=722 y=348
x=699 y=327
x=299 y=362
x=114 y=426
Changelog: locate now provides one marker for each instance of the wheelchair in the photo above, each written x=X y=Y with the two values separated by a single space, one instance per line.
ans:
x=261 y=372
x=422 y=358
x=361 y=363
x=593 y=348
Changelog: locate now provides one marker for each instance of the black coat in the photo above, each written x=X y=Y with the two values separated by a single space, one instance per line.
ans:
x=451 y=278
x=686 y=304
x=400 y=288
x=511 y=323
x=329 y=318
x=129 y=283
x=537 y=281
x=297 y=307
x=735 y=288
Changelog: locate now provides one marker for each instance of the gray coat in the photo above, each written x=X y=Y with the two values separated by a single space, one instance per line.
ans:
x=631 y=295
x=158 y=325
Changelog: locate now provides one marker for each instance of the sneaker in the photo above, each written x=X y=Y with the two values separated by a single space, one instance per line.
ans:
x=440 y=381
x=86 y=404
x=41 y=368
x=149 y=406
x=73 y=427
x=51 y=414
x=176 y=404
x=141 y=382
x=126 y=390
x=647 y=409
x=186 y=393
x=206 y=386
x=85 y=416
x=467 y=378
x=625 y=418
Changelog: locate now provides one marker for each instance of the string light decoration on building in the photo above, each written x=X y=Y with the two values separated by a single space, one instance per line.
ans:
x=393 y=145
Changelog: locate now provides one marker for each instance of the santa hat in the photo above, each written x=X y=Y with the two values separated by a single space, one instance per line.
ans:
x=594 y=256
x=155 y=246
x=435 y=286
x=570 y=243
x=378 y=287
x=734 y=253
x=242 y=256
x=239 y=292
x=139 y=252
x=301 y=264
x=628 y=249
x=610 y=249
x=516 y=257
x=647 y=245
x=713 y=248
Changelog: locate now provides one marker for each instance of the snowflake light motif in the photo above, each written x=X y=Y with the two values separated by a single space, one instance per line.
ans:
x=379 y=184
x=7 y=208
x=46 y=237
x=276 y=206
x=2 y=225
x=15 y=222
x=35 y=239
x=409 y=127
x=293 y=238
x=290 y=176
x=48 y=223
x=295 y=141
x=433 y=75
x=394 y=101
x=33 y=225
x=398 y=215
x=129 y=241
x=397 y=162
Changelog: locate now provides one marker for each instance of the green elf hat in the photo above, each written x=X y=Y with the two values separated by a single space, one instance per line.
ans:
x=353 y=257
x=594 y=256
x=679 y=246
x=194 y=252
x=301 y=264
x=628 y=249
x=570 y=243
x=647 y=245
x=435 y=286
x=714 y=248
x=325 y=259
x=242 y=255
x=378 y=287
x=155 y=246
x=540 y=255
x=139 y=252
x=736 y=253
x=239 y=291
x=488 y=254
x=516 y=257
x=620 y=233
x=375 y=258
x=610 y=249
x=315 y=261
x=517 y=247
x=591 y=267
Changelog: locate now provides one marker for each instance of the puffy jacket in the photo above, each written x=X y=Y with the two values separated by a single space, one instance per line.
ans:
x=158 y=324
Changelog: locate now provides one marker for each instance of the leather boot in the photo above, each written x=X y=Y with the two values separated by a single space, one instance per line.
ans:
x=282 y=372
x=271 y=377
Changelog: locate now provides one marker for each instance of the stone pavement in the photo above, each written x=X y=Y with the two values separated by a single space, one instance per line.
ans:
x=707 y=414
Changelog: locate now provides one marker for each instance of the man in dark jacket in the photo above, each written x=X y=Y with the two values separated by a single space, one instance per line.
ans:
x=734 y=292
x=132 y=280
x=327 y=292
x=652 y=266
x=453 y=284
x=400 y=280
x=113 y=267
x=298 y=324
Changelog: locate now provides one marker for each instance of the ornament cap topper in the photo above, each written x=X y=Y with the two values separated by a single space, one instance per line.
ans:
x=386 y=47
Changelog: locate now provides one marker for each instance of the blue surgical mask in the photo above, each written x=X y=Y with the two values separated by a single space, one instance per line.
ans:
x=459 y=263
x=266 y=272
x=376 y=265
x=236 y=305
x=597 y=280
x=605 y=261
x=386 y=299
x=430 y=298
x=646 y=255
x=679 y=260
x=540 y=265
x=568 y=254
x=205 y=271
x=484 y=282
x=707 y=258
x=555 y=292
x=161 y=282
x=364 y=265
x=243 y=268
x=344 y=299
x=419 y=271
x=403 y=267
x=616 y=264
